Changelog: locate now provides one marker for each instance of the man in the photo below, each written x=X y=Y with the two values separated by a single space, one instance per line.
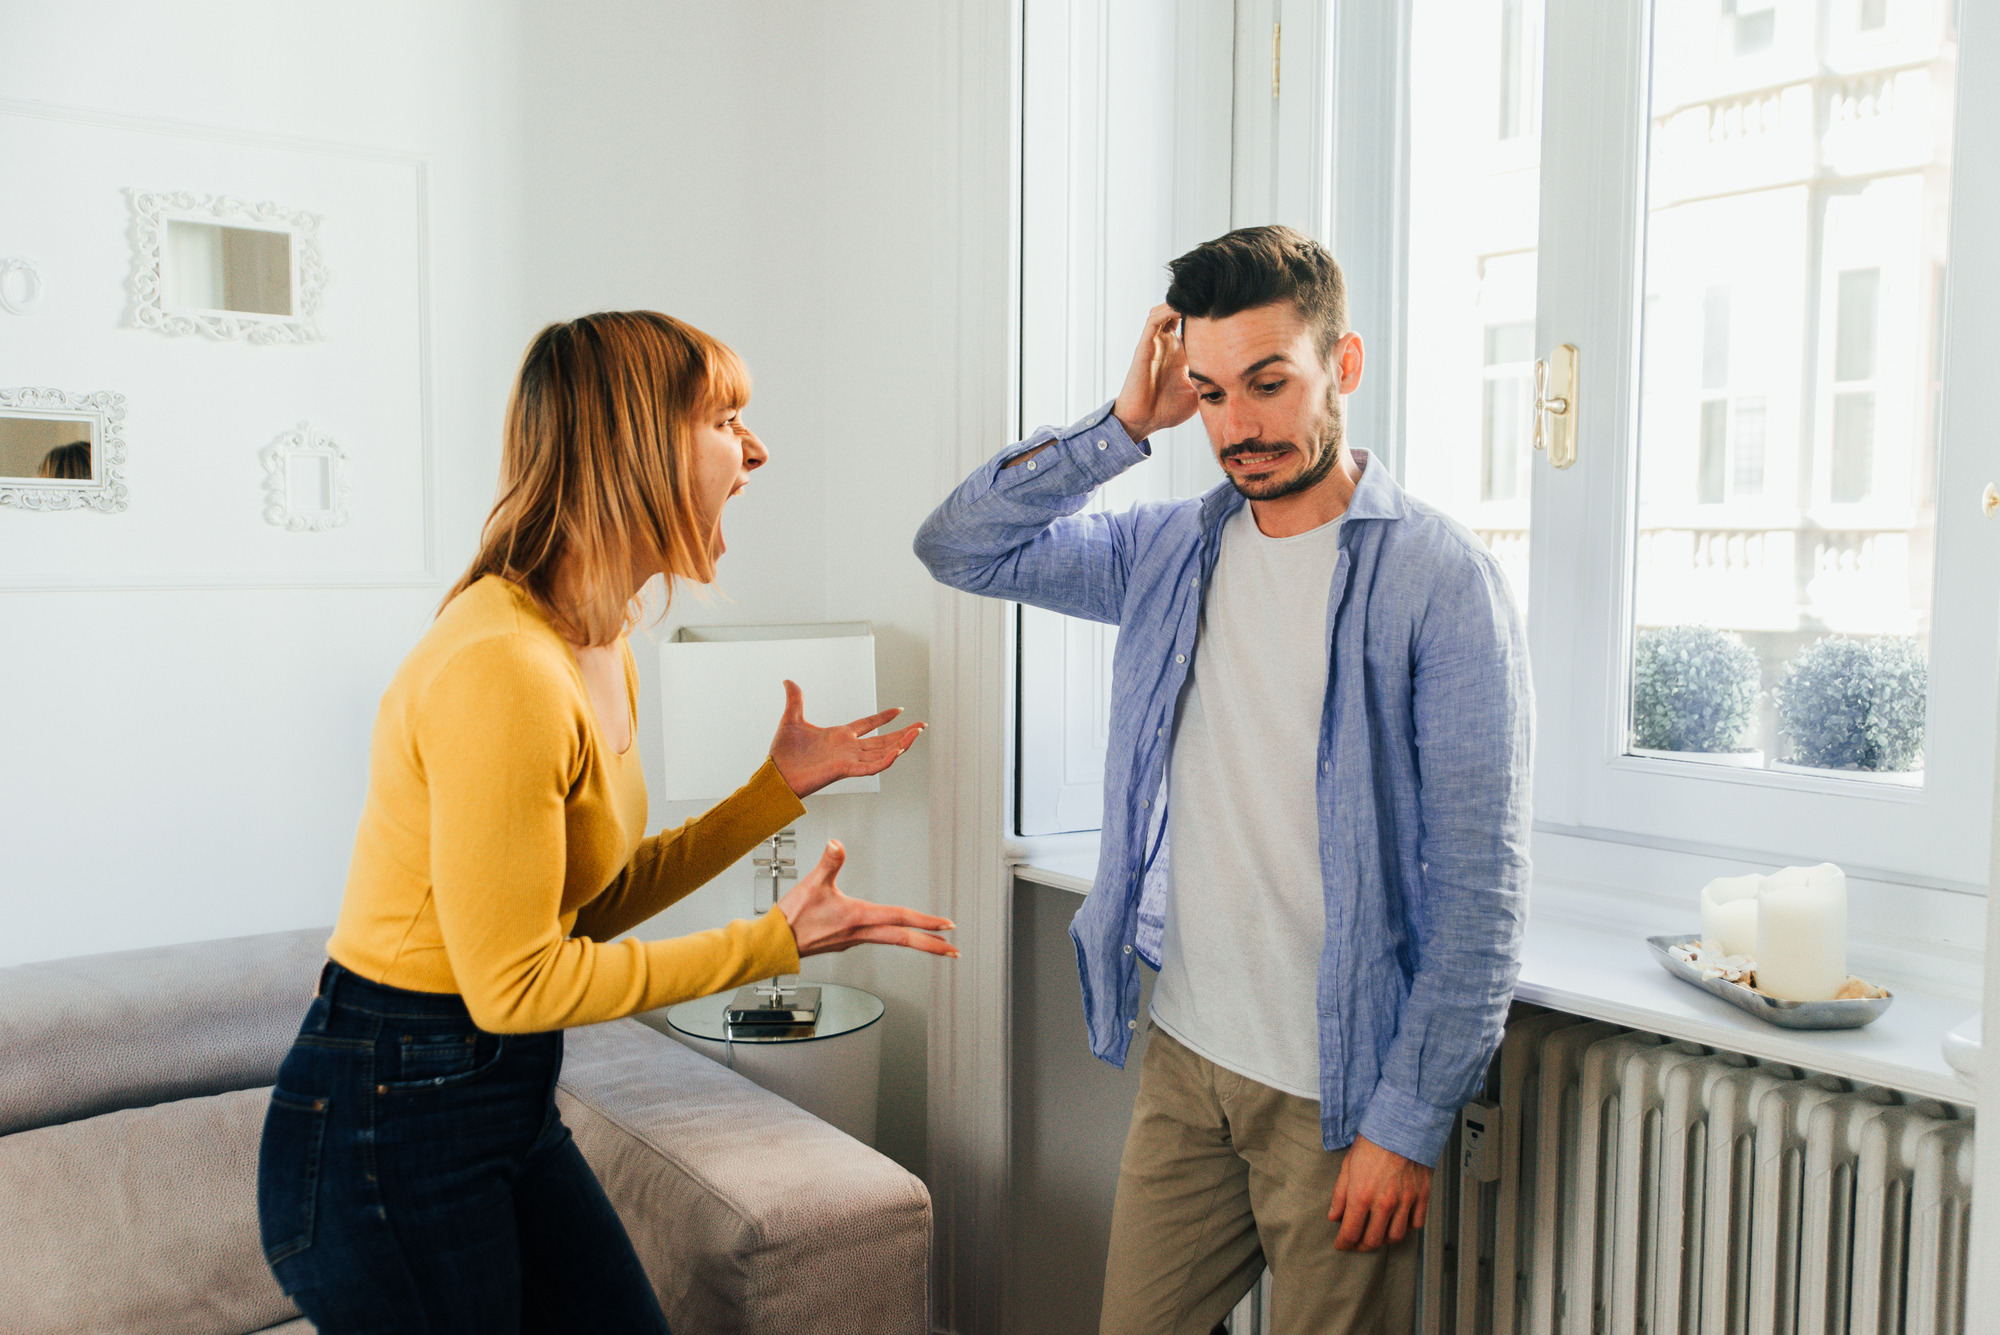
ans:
x=1316 y=800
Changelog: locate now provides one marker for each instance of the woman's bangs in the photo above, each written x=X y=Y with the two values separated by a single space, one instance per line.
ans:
x=728 y=384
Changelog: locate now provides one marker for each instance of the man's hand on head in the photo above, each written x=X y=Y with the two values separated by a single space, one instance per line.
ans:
x=1378 y=1197
x=1157 y=392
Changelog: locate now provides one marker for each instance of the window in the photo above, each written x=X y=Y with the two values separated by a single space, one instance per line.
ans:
x=1714 y=449
x=1505 y=405
x=1763 y=439
x=1520 y=69
x=1852 y=471
x=1748 y=26
x=1747 y=448
x=1469 y=298
x=1730 y=444
x=1853 y=446
x=1106 y=201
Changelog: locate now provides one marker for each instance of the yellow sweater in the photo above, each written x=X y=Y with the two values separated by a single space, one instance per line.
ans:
x=501 y=844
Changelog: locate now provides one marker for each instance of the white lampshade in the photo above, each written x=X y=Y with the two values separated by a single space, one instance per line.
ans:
x=722 y=690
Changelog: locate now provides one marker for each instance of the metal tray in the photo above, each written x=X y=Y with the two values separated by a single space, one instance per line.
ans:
x=1850 y=1014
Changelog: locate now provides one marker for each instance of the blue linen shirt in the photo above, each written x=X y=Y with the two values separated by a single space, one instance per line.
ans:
x=1425 y=741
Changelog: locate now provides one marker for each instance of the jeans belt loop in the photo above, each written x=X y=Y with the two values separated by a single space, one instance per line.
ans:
x=329 y=976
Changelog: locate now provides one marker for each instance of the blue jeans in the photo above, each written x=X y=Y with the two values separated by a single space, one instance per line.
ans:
x=415 y=1177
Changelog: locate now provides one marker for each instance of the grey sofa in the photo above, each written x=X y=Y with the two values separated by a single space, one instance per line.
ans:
x=132 y=1096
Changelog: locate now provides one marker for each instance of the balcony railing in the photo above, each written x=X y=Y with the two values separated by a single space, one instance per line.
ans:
x=1855 y=580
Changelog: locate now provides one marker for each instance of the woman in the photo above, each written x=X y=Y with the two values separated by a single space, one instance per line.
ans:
x=69 y=462
x=414 y=1174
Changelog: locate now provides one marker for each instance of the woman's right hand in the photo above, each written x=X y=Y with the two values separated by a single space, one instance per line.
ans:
x=825 y=920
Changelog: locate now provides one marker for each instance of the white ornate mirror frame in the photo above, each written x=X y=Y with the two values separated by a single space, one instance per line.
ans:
x=105 y=490
x=284 y=490
x=153 y=211
x=21 y=285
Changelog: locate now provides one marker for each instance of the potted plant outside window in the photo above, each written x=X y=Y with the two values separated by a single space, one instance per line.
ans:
x=1694 y=696
x=1856 y=708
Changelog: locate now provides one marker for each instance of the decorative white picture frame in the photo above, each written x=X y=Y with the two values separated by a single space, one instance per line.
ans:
x=21 y=285
x=153 y=210
x=105 y=411
x=283 y=460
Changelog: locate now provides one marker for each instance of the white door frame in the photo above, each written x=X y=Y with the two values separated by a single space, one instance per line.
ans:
x=979 y=61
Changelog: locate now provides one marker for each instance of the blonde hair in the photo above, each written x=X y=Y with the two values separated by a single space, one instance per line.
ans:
x=597 y=468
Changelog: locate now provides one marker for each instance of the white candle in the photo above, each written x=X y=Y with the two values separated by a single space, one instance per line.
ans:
x=1802 y=933
x=1729 y=914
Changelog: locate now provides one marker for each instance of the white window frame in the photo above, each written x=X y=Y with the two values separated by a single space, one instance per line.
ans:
x=1593 y=165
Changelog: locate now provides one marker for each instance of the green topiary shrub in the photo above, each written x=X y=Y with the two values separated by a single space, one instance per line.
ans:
x=1694 y=688
x=1855 y=703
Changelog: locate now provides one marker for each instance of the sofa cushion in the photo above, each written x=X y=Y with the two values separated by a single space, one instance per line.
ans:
x=138 y=1220
x=749 y=1213
x=85 y=1036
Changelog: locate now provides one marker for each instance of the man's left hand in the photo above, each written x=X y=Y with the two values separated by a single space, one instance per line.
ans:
x=1378 y=1197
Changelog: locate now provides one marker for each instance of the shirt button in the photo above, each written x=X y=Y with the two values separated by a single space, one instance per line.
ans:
x=1131 y=1024
x=1145 y=801
x=1128 y=950
x=1102 y=446
x=1325 y=766
x=1159 y=732
x=1180 y=658
x=1031 y=465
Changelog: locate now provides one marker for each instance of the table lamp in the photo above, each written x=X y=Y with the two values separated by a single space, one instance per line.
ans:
x=722 y=689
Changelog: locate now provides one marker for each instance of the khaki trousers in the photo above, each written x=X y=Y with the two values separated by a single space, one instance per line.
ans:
x=1222 y=1176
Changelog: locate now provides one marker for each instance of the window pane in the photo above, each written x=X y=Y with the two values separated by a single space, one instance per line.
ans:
x=1714 y=448
x=1798 y=184
x=1715 y=339
x=1520 y=71
x=1748 y=448
x=1474 y=173
x=1854 y=325
x=1853 y=446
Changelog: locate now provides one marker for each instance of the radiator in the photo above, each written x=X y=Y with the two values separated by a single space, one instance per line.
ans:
x=1646 y=1187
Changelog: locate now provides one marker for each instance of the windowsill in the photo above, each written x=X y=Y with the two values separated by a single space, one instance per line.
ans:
x=1604 y=972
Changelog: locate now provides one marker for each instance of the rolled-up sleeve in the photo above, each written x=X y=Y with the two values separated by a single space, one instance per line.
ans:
x=1017 y=532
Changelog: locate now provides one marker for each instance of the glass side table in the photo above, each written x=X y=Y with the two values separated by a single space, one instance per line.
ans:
x=831 y=1069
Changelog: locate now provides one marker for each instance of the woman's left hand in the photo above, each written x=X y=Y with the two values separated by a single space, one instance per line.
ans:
x=810 y=757
x=824 y=920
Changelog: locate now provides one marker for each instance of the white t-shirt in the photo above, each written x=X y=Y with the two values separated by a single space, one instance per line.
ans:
x=1246 y=905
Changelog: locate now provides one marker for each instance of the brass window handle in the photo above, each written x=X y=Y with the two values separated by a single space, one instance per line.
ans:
x=1555 y=405
x=1990 y=500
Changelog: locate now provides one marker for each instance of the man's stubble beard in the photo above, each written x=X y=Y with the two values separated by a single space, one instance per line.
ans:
x=1332 y=432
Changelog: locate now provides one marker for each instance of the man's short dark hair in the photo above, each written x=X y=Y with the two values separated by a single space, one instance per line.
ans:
x=1261 y=266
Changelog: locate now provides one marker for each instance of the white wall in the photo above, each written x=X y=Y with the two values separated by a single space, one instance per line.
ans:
x=190 y=764
x=187 y=764
x=766 y=175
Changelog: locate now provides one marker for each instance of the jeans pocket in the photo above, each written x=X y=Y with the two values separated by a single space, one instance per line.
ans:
x=422 y=1058
x=288 y=1167
x=425 y=1062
